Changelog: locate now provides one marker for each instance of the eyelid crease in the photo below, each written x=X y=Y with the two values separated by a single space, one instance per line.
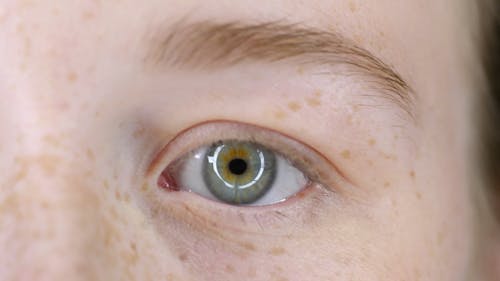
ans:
x=156 y=166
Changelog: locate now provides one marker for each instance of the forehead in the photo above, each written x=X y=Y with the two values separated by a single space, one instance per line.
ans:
x=384 y=26
x=422 y=40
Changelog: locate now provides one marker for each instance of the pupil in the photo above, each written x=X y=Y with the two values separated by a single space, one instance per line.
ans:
x=238 y=166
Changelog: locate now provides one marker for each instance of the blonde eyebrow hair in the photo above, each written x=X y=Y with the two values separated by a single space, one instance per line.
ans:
x=211 y=45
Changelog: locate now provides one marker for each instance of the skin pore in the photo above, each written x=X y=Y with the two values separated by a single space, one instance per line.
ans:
x=94 y=93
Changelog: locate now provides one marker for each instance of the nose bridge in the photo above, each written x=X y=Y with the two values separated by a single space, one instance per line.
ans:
x=52 y=226
x=49 y=210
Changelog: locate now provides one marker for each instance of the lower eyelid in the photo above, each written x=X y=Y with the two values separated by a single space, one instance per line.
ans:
x=277 y=219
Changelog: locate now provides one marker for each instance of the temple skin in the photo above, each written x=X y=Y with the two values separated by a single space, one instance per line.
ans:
x=85 y=117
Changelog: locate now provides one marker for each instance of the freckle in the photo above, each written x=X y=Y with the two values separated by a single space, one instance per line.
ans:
x=183 y=257
x=387 y=184
x=249 y=246
x=105 y=184
x=133 y=246
x=358 y=39
x=45 y=205
x=440 y=238
x=294 y=106
x=48 y=163
x=229 y=268
x=412 y=174
x=114 y=213
x=111 y=236
x=171 y=277
x=72 y=77
x=372 y=142
x=418 y=274
x=20 y=175
x=313 y=102
x=87 y=15
x=3 y=15
x=277 y=251
x=23 y=67
x=27 y=47
x=51 y=140
x=126 y=197
x=300 y=70
x=90 y=154
x=394 y=203
x=396 y=212
x=89 y=173
x=346 y=154
x=370 y=163
x=20 y=28
x=62 y=106
x=118 y=196
x=138 y=132
x=389 y=156
x=144 y=187
x=432 y=250
x=352 y=6
x=215 y=96
x=418 y=195
x=280 y=115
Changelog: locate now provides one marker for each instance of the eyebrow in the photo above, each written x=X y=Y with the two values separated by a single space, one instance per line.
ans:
x=211 y=45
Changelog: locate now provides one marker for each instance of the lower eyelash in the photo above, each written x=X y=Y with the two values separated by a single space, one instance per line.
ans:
x=205 y=215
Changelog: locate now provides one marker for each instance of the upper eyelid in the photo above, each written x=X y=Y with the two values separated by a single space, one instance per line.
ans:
x=158 y=163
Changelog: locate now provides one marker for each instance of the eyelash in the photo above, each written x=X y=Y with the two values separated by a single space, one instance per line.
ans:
x=325 y=179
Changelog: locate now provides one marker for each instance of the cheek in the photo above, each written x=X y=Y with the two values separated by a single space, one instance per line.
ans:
x=333 y=246
x=231 y=257
x=424 y=235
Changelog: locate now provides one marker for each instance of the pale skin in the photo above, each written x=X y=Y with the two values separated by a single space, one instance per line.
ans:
x=83 y=119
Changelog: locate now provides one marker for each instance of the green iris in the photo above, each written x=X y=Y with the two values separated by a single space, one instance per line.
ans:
x=239 y=172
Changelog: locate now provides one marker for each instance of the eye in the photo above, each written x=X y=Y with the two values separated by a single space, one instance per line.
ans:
x=237 y=172
x=239 y=164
